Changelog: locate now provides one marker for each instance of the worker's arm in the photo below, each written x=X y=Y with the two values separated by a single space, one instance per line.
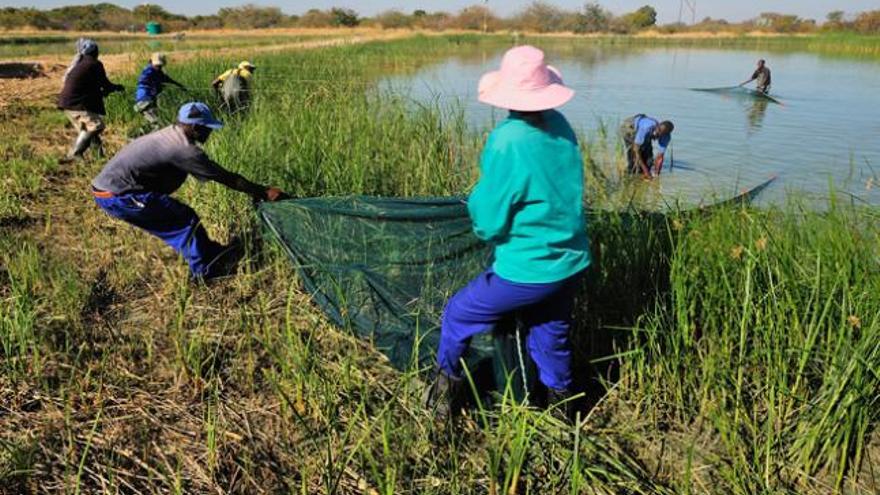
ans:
x=256 y=191
x=643 y=132
x=219 y=80
x=495 y=199
x=168 y=80
x=104 y=83
x=637 y=152
x=203 y=168
x=754 y=76
x=662 y=144
x=658 y=164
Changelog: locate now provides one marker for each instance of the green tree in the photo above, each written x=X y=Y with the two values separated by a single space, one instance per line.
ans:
x=207 y=22
x=394 y=19
x=344 y=17
x=642 y=18
x=150 y=12
x=251 y=16
x=12 y=18
x=835 y=17
x=316 y=18
x=594 y=19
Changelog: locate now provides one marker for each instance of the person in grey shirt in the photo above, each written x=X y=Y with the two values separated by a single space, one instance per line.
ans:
x=136 y=184
x=762 y=76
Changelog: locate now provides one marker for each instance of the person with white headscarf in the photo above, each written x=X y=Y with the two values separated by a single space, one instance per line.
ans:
x=82 y=99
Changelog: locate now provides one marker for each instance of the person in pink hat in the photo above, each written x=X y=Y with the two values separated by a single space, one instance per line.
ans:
x=528 y=203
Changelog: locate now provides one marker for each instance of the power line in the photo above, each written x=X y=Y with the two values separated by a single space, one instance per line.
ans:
x=691 y=6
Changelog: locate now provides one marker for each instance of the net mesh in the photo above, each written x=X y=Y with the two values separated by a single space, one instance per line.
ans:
x=384 y=268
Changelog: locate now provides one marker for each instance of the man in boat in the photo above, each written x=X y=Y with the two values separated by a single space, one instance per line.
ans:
x=234 y=86
x=638 y=133
x=762 y=76
x=135 y=186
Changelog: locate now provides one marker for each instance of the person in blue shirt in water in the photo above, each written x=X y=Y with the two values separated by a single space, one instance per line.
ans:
x=638 y=133
x=149 y=85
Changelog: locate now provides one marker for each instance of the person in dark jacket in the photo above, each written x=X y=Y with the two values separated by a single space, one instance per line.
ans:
x=82 y=99
x=150 y=83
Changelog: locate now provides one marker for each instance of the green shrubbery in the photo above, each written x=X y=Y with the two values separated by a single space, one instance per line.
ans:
x=540 y=16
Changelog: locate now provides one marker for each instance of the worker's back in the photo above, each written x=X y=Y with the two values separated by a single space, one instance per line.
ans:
x=236 y=91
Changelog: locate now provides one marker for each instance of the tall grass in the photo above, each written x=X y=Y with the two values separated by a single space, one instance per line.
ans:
x=769 y=340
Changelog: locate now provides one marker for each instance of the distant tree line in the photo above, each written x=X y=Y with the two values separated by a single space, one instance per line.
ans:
x=540 y=16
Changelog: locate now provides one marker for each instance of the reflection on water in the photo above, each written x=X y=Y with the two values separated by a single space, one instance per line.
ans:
x=722 y=142
x=756 y=113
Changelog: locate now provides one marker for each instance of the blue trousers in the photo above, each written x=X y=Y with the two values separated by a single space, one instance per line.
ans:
x=168 y=219
x=544 y=308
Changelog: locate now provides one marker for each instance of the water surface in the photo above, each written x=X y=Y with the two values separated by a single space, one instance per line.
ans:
x=826 y=132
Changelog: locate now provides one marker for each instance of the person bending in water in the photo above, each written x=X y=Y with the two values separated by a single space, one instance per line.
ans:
x=637 y=133
x=762 y=76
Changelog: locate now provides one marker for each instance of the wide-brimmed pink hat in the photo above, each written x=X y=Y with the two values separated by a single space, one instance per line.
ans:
x=524 y=83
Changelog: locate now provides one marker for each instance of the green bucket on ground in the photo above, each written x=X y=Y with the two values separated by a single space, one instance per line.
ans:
x=153 y=28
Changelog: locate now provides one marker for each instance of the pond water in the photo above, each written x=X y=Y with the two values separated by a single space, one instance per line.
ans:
x=826 y=131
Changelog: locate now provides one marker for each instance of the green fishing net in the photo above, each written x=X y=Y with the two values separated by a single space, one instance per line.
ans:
x=384 y=268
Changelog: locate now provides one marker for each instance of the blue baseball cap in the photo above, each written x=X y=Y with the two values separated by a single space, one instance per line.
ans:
x=197 y=113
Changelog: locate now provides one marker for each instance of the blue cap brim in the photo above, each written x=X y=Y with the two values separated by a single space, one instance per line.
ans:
x=213 y=124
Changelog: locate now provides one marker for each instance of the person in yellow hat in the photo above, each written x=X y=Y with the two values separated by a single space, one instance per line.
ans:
x=149 y=85
x=234 y=86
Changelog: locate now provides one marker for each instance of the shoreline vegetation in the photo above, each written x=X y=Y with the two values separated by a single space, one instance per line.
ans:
x=733 y=352
x=55 y=47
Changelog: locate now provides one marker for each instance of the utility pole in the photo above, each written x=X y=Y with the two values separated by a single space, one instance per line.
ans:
x=485 y=16
x=691 y=6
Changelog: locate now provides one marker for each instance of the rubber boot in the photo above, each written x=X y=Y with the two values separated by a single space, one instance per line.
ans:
x=225 y=262
x=564 y=407
x=98 y=144
x=83 y=140
x=445 y=396
x=152 y=118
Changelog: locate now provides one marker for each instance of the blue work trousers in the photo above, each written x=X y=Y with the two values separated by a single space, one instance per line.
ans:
x=544 y=308
x=168 y=219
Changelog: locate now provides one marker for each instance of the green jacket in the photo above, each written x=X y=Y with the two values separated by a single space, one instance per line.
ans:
x=529 y=199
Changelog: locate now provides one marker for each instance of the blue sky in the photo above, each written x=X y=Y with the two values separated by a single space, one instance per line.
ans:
x=667 y=9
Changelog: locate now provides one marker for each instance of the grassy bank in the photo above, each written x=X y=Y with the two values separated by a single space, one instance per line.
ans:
x=730 y=352
x=14 y=45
